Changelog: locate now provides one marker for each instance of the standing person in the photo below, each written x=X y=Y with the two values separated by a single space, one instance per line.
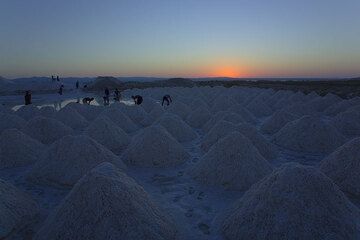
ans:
x=166 y=99
x=61 y=89
x=27 y=97
x=57 y=78
x=117 y=95
x=106 y=98
x=53 y=78
x=77 y=84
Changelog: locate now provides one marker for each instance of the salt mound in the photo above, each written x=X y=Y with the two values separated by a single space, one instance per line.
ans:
x=89 y=112
x=300 y=109
x=68 y=159
x=27 y=112
x=120 y=119
x=320 y=104
x=198 y=103
x=294 y=202
x=223 y=116
x=46 y=130
x=18 y=210
x=309 y=134
x=217 y=117
x=107 y=204
x=180 y=109
x=279 y=119
x=11 y=121
x=342 y=166
x=348 y=123
x=47 y=111
x=341 y=106
x=266 y=149
x=104 y=131
x=156 y=112
x=177 y=128
x=137 y=114
x=220 y=130
x=233 y=162
x=198 y=117
x=222 y=103
x=18 y=149
x=148 y=104
x=154 y=146
x=244 y=113
x=70 y=117
x=258 y=108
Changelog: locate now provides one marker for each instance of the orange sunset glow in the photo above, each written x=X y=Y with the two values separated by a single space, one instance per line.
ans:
x=229 y=71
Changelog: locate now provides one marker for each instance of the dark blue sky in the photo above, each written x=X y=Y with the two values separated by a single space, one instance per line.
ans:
x=180 y=38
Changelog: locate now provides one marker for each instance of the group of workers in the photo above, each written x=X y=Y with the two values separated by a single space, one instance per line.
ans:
x=117 y=96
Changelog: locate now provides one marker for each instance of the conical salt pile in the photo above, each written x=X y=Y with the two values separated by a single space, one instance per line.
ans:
x=47 y=111
x=309 y=134
x=11 y=121
x=68 y=159
x=348 y=123
x=27 y=112
x=154 y=147
x=180 y=109
x=104 y=131
x=46 y=130
x=244 y=113
x=343 y=167
x=220 y=130
x=89 y=112
x=107 y=204
x=18 y=149
x=198 y=117
x=120 y=119
x=18 y=211
x=294 y=202
x=177 y=128
x=279 y=119
x=70 y=117
x=266 y=149
x=232 y=162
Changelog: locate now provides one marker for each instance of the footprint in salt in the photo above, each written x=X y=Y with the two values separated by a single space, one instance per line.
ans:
x=201 y=195
x=204 y=228
x=191 y=190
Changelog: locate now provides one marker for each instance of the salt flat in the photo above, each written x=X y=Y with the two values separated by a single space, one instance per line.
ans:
x=172 y=155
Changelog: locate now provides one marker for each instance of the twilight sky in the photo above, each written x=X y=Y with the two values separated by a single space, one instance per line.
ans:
x=187 y=38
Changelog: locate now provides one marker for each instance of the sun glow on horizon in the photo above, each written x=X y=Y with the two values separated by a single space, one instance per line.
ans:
x=228 y=71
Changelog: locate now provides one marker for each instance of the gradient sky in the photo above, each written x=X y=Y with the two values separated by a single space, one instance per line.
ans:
x=188 y=38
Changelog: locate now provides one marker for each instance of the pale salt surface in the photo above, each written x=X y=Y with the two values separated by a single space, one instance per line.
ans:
x=18 y=210
x=112 y=206
x=180 y=130
x=154 y=147
x=46 y=130
x=343 y=167
x=233 y=162
x=104 y=131
x=68 y=159
x=192 y=204
x=294 y=202
x=17 y=149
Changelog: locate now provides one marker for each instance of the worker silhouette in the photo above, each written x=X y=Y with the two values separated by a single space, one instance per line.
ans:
x=137 y=99
x=27 y=97
x=166 y=99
